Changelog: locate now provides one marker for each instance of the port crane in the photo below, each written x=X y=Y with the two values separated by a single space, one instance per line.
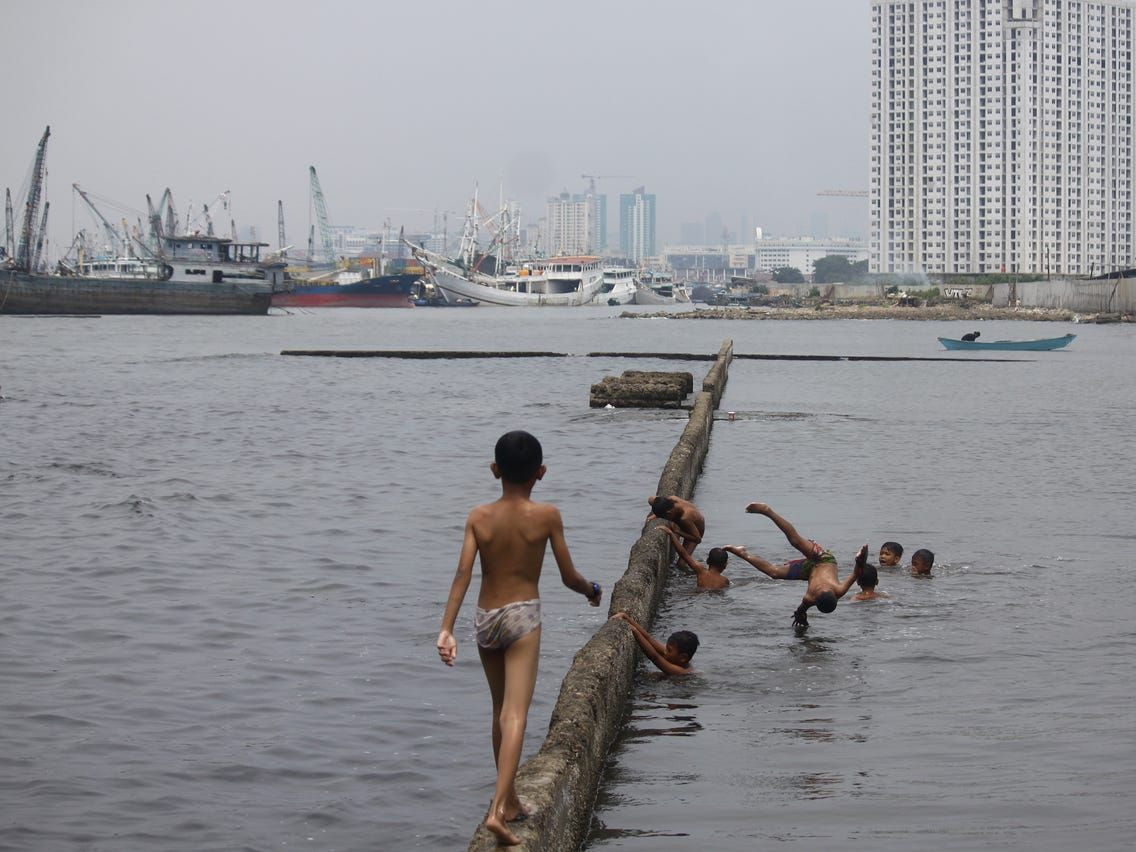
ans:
x=321 y=218
x=28 y=236
x=9 y=233
x=115 y=240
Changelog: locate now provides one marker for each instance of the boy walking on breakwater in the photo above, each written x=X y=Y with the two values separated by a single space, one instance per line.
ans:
x=510 y=536
x=818 y=568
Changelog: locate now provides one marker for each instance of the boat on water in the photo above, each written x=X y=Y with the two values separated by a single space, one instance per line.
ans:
x=186 y=274
x=1042 y=345
x=351 y=291
x=619 y=286
x=659 y=288
x=192 y=274
x=548 y=282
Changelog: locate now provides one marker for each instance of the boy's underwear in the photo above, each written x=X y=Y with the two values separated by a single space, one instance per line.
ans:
x=499 y=628
x=802 y=569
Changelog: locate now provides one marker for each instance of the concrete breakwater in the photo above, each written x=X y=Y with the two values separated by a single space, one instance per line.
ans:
x=561 y=780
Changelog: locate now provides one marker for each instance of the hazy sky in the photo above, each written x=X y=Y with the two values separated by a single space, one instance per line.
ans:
x=744 y=108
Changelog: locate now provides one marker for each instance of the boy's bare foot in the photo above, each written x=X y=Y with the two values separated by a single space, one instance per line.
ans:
x=501 y=831
x=757 y=508
x=862 y=557
x=516 y=810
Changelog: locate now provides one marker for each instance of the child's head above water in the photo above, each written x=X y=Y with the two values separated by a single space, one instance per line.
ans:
x=869 y=577
x=518 y=456
x=661 y=507
x=890 y=553
x=717 y=558
x=922 y=561
x=683 y=644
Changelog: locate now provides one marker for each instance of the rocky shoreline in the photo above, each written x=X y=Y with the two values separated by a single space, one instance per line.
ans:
x=828 y=311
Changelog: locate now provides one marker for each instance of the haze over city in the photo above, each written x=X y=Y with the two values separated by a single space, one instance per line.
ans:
x=741 y=109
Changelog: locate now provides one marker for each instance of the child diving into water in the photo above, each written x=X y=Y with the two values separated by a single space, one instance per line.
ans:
x=510 y=536
x=818 y=568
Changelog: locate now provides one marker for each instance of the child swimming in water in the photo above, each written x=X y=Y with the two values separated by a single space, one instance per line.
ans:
x=868 y=580
x=510 y=535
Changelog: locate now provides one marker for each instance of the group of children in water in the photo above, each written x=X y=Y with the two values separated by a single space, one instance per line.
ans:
x=511 y=534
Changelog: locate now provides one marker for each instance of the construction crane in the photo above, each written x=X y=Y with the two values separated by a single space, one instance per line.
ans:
x=116 y=240
x=31 y=207
x=591 y=179
x=844 y=193
x=321 y=217
x=280 y=228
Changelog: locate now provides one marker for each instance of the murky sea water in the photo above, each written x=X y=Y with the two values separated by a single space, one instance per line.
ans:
x=224 y=569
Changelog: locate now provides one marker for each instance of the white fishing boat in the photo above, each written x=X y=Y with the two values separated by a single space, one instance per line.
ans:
x=619 y=286
x=660 y=288
x=549 y=282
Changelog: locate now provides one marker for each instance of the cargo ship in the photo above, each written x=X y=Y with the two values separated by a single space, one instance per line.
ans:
x=381 y=291
x=183 y=274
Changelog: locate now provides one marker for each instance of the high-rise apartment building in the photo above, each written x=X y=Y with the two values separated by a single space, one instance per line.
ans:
x=577 y=224
x=637 y=225
x=1002 y=136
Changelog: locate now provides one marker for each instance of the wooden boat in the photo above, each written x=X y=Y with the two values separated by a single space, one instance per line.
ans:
x=1013 y=345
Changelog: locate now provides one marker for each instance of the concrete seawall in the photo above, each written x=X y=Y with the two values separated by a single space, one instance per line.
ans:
x=561 y=780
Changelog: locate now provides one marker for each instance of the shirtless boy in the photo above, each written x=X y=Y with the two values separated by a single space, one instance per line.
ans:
x=868 y=580
x=818 y=568
x=510 y=535
x=684 y=517
x=710 y=575
x=672 y=658
x=921 y=562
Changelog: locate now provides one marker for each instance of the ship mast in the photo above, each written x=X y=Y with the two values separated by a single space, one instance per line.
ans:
x=9 y=225
x=31 y=207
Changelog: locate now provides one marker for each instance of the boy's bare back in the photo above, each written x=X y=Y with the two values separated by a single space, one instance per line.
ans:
x=511 y=535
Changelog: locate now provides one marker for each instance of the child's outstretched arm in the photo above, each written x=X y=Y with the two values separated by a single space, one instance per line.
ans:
x=447 y=644
x=696 y=567
x=861 y=561
x=801 y=615
x=571 y=578
x=652 y=648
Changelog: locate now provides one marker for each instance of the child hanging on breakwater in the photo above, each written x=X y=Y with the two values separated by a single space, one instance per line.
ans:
x=683 y=516
x=671 y=658
x=818 y=568
x=510 y=535
x=710 y=575
x=921 y=563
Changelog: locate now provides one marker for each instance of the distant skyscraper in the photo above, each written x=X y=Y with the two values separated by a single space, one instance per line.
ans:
x=692 y=233
x=714 y=230
x=1001 y=136
x=637 y=225
x=597 y=242
x=577 y=224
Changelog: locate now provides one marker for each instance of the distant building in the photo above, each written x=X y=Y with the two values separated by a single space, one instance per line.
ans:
x=1002 y=136
x=692 y=233
x=802 y=252
x=709 y=264
x=637 y=225
x=576 y=224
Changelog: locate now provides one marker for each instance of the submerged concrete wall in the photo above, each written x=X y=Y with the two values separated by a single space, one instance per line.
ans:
x=561 y=781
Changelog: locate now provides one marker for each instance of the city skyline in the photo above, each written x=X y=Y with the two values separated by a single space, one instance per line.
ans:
x=747 y=109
